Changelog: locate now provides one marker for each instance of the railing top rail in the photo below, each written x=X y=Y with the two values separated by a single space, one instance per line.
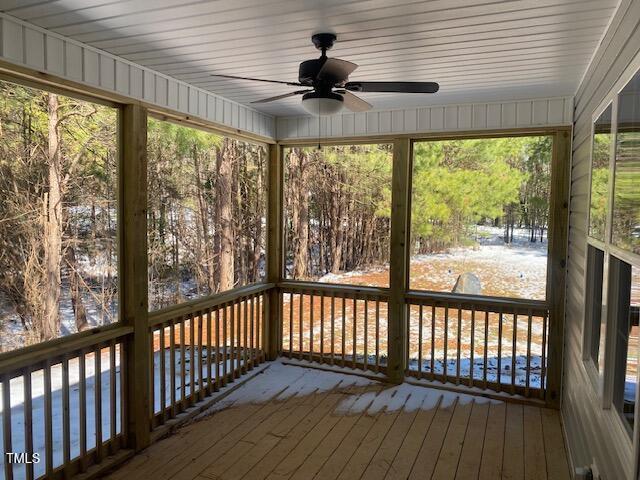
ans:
x=159 y=317
x=476 y=301
x=333 y=288
x=54 y=350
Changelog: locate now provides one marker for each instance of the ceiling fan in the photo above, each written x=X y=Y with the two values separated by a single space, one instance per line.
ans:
x=329 y=89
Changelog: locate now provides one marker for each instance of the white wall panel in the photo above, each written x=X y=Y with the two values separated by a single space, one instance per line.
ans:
x=30 y=46
x=541 y=112
x=594 y=434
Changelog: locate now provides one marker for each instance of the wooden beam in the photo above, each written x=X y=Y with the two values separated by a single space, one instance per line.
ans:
x=399 y=261
x=134 y=303
x=557 y=265
x=275 y=257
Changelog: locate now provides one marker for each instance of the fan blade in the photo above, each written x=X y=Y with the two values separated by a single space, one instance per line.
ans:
x=355 y=103
x=398 y=87
x=336 y=71
x=293 y=84
x=285 y=95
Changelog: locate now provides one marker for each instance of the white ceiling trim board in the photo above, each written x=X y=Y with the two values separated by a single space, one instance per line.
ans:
x=36 y=48
x=539 y=112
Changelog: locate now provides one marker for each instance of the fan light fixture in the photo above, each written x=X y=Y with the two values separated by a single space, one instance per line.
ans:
x=320 y=76
x=318 y=104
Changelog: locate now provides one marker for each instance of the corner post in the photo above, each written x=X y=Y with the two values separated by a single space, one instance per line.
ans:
x=557 y=266
x=399 y=261
x=275 y=242
x=134 y=302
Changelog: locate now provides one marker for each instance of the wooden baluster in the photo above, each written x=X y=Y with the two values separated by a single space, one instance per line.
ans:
x=333 y=327
x=354 y=350
x=225 y=348
x=486 y=346
x=239 y=347
x=344 y=328
x=123 y=394
x=6 y=423
x=97 y=383
x=377 y=335
x=245 y=333
x=366 y=334
x=311 y=327
x=232 y=340
x=543 y=360
x=172 y=365
x=48 y=422
x=152 y=381
x=473 y=345
x=251 y=336
x=527 y=384
x=514 y=348
x=200 y=352
x=291 y=300
x=82 y=403
x=458 y=344
x=218 y=346
x=300 y=326
x=261 y=325
x=66 y=415
x=163 y=378
x=499 y=373
x=112 y=395
x=321 y=327
x=433 y=342
x=193 y=369
x=28 y=421
x=210 y=385
x=446 y=342
x=183 y=366
x=419 y=339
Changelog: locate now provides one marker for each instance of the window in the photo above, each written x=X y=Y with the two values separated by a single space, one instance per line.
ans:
x=58 y=215
x=626 y=193
x=627 y=310
x=206 y=213
x=612 y=295
x=479 y=216
x=596 y=313
x=600 y=175
x=337 y=213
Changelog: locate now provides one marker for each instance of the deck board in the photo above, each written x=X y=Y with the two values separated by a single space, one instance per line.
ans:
x=295 y=423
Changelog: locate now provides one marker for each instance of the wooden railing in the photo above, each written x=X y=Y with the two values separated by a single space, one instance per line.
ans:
x=65 y=400
x=62 y=404
x=335 y=324
x=485 y=342
x=200 y=346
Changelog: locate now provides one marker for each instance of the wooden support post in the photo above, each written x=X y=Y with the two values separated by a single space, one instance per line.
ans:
x=399 y=262
x=557 y=265
x=134 y=303
x=275 y=265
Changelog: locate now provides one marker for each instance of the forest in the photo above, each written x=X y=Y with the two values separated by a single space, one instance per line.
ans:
x=58 y=222
x=338 y=199
x=206 y=213
x=58 y=214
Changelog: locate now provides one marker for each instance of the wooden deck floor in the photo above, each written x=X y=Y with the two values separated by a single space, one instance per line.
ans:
x=292 y=422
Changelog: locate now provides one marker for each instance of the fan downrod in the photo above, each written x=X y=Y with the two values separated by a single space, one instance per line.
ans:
x=324 y=41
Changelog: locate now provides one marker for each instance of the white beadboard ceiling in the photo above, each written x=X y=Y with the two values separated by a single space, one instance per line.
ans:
x=478 y=50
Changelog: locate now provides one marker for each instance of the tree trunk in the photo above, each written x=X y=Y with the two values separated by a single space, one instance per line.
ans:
x=75 y=281
x=50 y=323
x=300 y=214
x=225 y=205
